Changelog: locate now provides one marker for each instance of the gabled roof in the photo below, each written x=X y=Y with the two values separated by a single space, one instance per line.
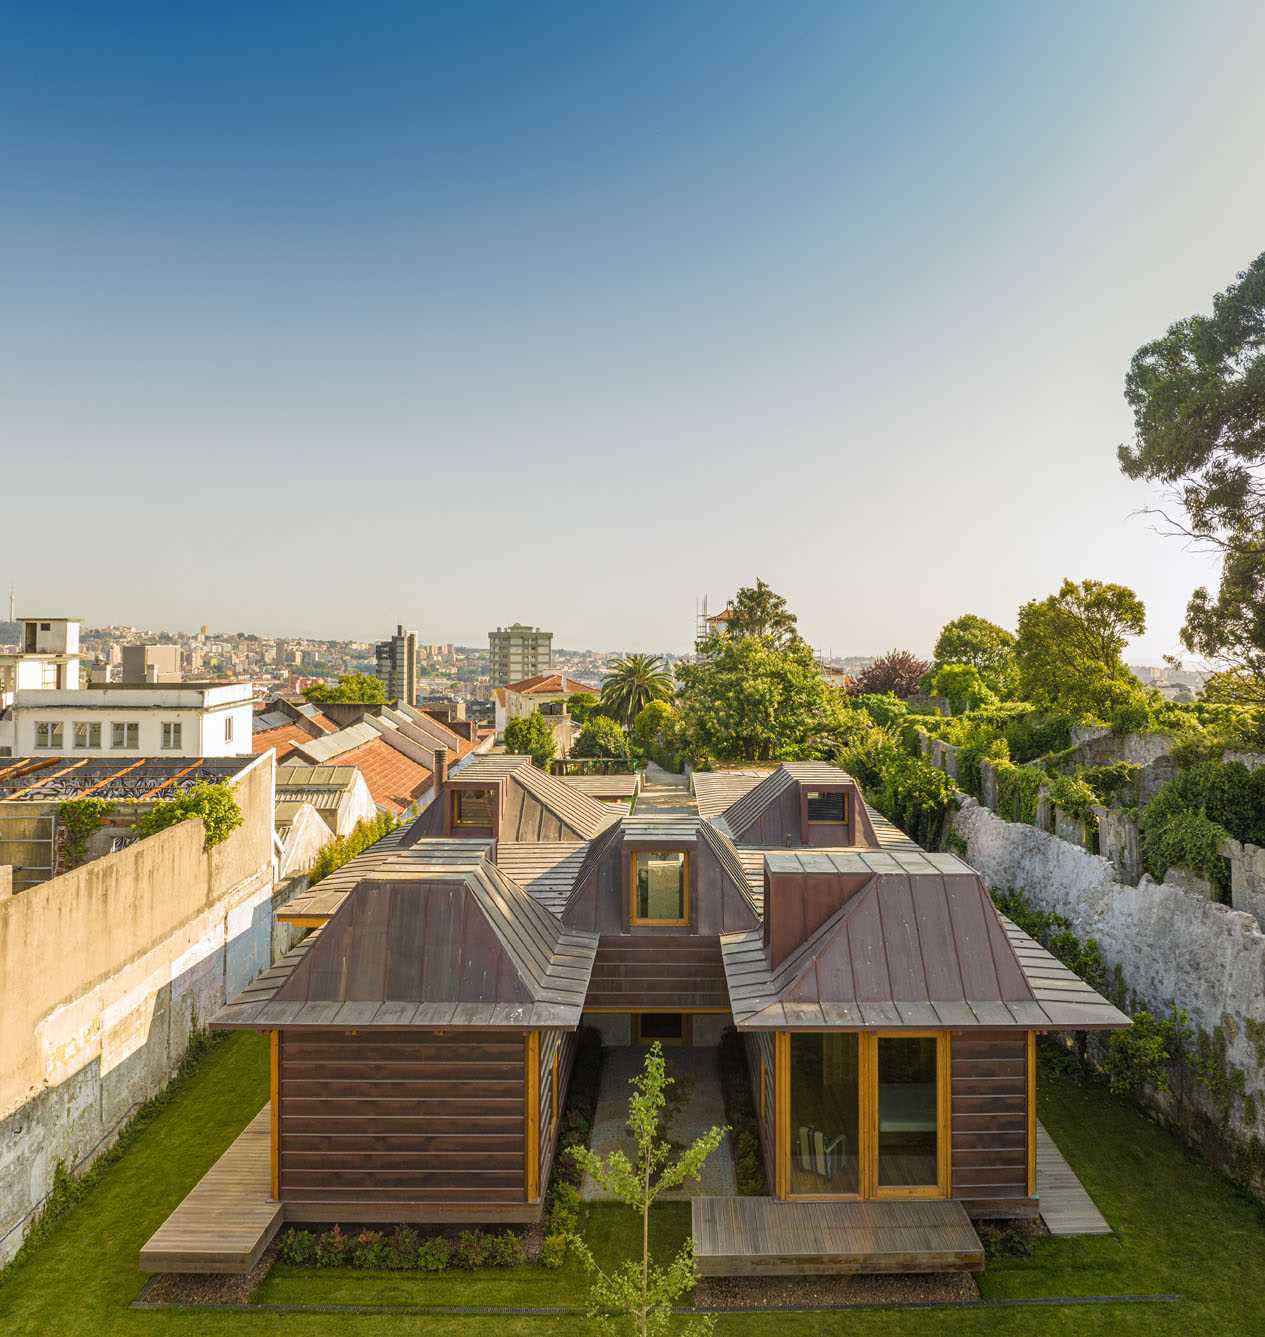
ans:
x=436 y=937
x=548 y=684
x=284 y=737
x=585 y=817
x=715 y=791
x=746 y=810
x=545 y=871
x=395 y=781
x=920 y=944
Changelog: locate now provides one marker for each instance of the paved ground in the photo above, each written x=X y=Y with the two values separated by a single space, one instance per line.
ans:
x=665 y=793
x=704 y=1108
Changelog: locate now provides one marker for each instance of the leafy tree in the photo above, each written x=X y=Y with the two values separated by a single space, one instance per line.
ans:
x=964 y=686
x=1069 y=647
x=758 y=611
x=601 y=737
x=633 y=682
x=639 y=1291
x=1235 y=689
x=213 y=803
x=1198 y=400
x=658 y=734
x=580 y=705
x=983 y=645
x=898 y=672
x=530 y=736
x=747 y=700
x=357 y=688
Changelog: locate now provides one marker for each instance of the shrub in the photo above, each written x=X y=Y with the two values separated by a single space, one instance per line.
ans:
x=213 y=803
x=369 y=1250
x=366 y=832
x=564 y=1213
x=471 y=1250
x=401 y=1248
x=1073 y=796
x=331 y=1248
x=602 y=737
x=1140 y=1056
x=740 y=1114
x=1017 y=788
x=79 y=818
x=531 y=736
x=433 y=1254
x=503 y=1250
x=553 y=1251
x=297 y=1247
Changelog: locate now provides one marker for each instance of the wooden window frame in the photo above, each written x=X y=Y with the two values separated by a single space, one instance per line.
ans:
x=869 y=1188
x=826 y=821
x=458 y=824
x=686 y=900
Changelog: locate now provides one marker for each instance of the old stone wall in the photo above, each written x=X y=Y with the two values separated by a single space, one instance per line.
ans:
x=1174 y=949
x=106 y=971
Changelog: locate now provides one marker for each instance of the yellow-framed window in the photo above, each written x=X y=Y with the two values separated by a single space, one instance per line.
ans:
x=863 y=1114
x=659 y=887
x=472 y=807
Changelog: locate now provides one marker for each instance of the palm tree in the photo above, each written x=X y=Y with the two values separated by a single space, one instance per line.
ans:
x=632 y=683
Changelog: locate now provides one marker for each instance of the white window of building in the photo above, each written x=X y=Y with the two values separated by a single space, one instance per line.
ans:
x=87 y=734
x=125 y=735
x=48 y=733
x=172 y=730
x=228 y=728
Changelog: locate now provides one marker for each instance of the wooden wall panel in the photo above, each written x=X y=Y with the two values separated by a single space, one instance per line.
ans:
x=990 y=1121
x=635 y=971
x=427 y=1118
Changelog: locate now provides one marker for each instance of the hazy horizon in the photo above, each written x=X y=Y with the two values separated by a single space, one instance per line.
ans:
x=327 y=319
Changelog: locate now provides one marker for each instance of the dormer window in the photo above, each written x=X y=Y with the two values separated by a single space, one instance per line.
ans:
x=660 y=881
x=824 y=806
x=472 y=807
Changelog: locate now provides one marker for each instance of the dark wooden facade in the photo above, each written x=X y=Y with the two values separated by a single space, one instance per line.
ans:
x=993 y=1124
x=636 y=972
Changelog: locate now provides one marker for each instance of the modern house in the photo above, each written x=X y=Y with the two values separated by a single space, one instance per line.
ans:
x=422 y=1034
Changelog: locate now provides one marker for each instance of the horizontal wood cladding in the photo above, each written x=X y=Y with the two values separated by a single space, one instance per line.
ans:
x=632 y=971
x=990 y=1119
x=428 y=1118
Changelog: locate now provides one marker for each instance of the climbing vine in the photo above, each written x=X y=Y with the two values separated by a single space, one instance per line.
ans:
x=79 y=818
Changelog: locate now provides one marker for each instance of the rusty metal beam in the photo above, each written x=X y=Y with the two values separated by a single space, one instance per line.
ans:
x=45 y=779
x=170 y=780
x=109 y=779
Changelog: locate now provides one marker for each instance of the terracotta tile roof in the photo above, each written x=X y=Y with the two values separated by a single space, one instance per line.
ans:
x=394 y=780
x=545 y=683
x=285 y=738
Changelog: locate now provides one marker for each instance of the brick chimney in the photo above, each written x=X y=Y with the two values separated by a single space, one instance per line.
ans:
x=440 y=767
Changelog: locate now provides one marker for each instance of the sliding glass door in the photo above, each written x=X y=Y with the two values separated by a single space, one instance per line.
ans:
x=867 y=1115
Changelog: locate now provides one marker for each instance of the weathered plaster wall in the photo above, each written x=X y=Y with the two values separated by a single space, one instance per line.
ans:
x=106 y=970
x=1173 y=948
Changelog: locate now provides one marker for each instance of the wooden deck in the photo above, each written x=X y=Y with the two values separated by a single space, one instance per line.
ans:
x=1066 y=1208
x=765 y=1237
x=228 y=1220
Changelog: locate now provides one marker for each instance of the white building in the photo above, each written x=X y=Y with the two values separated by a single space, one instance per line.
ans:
x=188 y=719
x=46 y=657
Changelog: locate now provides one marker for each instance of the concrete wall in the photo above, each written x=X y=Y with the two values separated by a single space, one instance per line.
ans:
x=106 y=970
x=1174 y=949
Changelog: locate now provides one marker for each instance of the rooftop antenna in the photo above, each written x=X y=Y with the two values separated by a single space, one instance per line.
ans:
x=13 y=604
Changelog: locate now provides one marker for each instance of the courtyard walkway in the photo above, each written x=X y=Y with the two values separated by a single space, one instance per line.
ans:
x=665 y=793
x=698 y=1072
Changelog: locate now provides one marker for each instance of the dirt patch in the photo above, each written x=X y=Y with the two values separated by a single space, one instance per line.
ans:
x=803 y=1292
x=200 y=1288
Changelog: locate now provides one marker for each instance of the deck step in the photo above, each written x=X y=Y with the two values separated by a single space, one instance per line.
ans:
x=229 y=1218
x=736 y=1237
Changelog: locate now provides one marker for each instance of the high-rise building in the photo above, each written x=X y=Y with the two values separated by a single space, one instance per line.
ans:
x=397 y=665
x=518 y=652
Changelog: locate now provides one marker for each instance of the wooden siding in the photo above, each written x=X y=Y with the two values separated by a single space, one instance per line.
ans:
x=990 y=1122
x=759 y=1046
x=375 y=1122
x=636 y=971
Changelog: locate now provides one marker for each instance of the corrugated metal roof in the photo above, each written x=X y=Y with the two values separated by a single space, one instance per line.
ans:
x=913 y=947
x=333 y=745
x=316 y=777
x=431 y=943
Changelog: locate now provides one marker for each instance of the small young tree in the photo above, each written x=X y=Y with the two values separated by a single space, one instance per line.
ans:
x=601 y=737
x=637 y=1291
x=530 y=736
x=358 y=688
x=580 y=705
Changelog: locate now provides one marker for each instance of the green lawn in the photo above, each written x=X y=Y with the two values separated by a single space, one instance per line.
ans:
x=1179 y=1228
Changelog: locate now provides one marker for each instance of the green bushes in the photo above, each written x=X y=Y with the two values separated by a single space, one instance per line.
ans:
x=658 y=735
x=1142 y=1055
x=740 y=1114
x=562 y=1202
x=1017 y=788
x=341 y=849
x=601 y=737
x=906 y=790
x=531 y=736
x=213 y=803
x=400 y=1250
x=79 y=818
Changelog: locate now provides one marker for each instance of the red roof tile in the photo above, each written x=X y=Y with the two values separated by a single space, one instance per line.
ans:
x=394 y=780
x=285 y=738
x=544 y=683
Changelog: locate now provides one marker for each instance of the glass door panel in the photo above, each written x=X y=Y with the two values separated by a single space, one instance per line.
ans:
x=825 y=1113
x=907 y=1112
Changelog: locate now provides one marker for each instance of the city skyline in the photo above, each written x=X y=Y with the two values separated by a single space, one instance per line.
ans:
x=702 y=294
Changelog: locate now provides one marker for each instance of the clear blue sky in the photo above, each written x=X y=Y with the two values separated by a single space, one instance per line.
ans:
x=317 y=316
